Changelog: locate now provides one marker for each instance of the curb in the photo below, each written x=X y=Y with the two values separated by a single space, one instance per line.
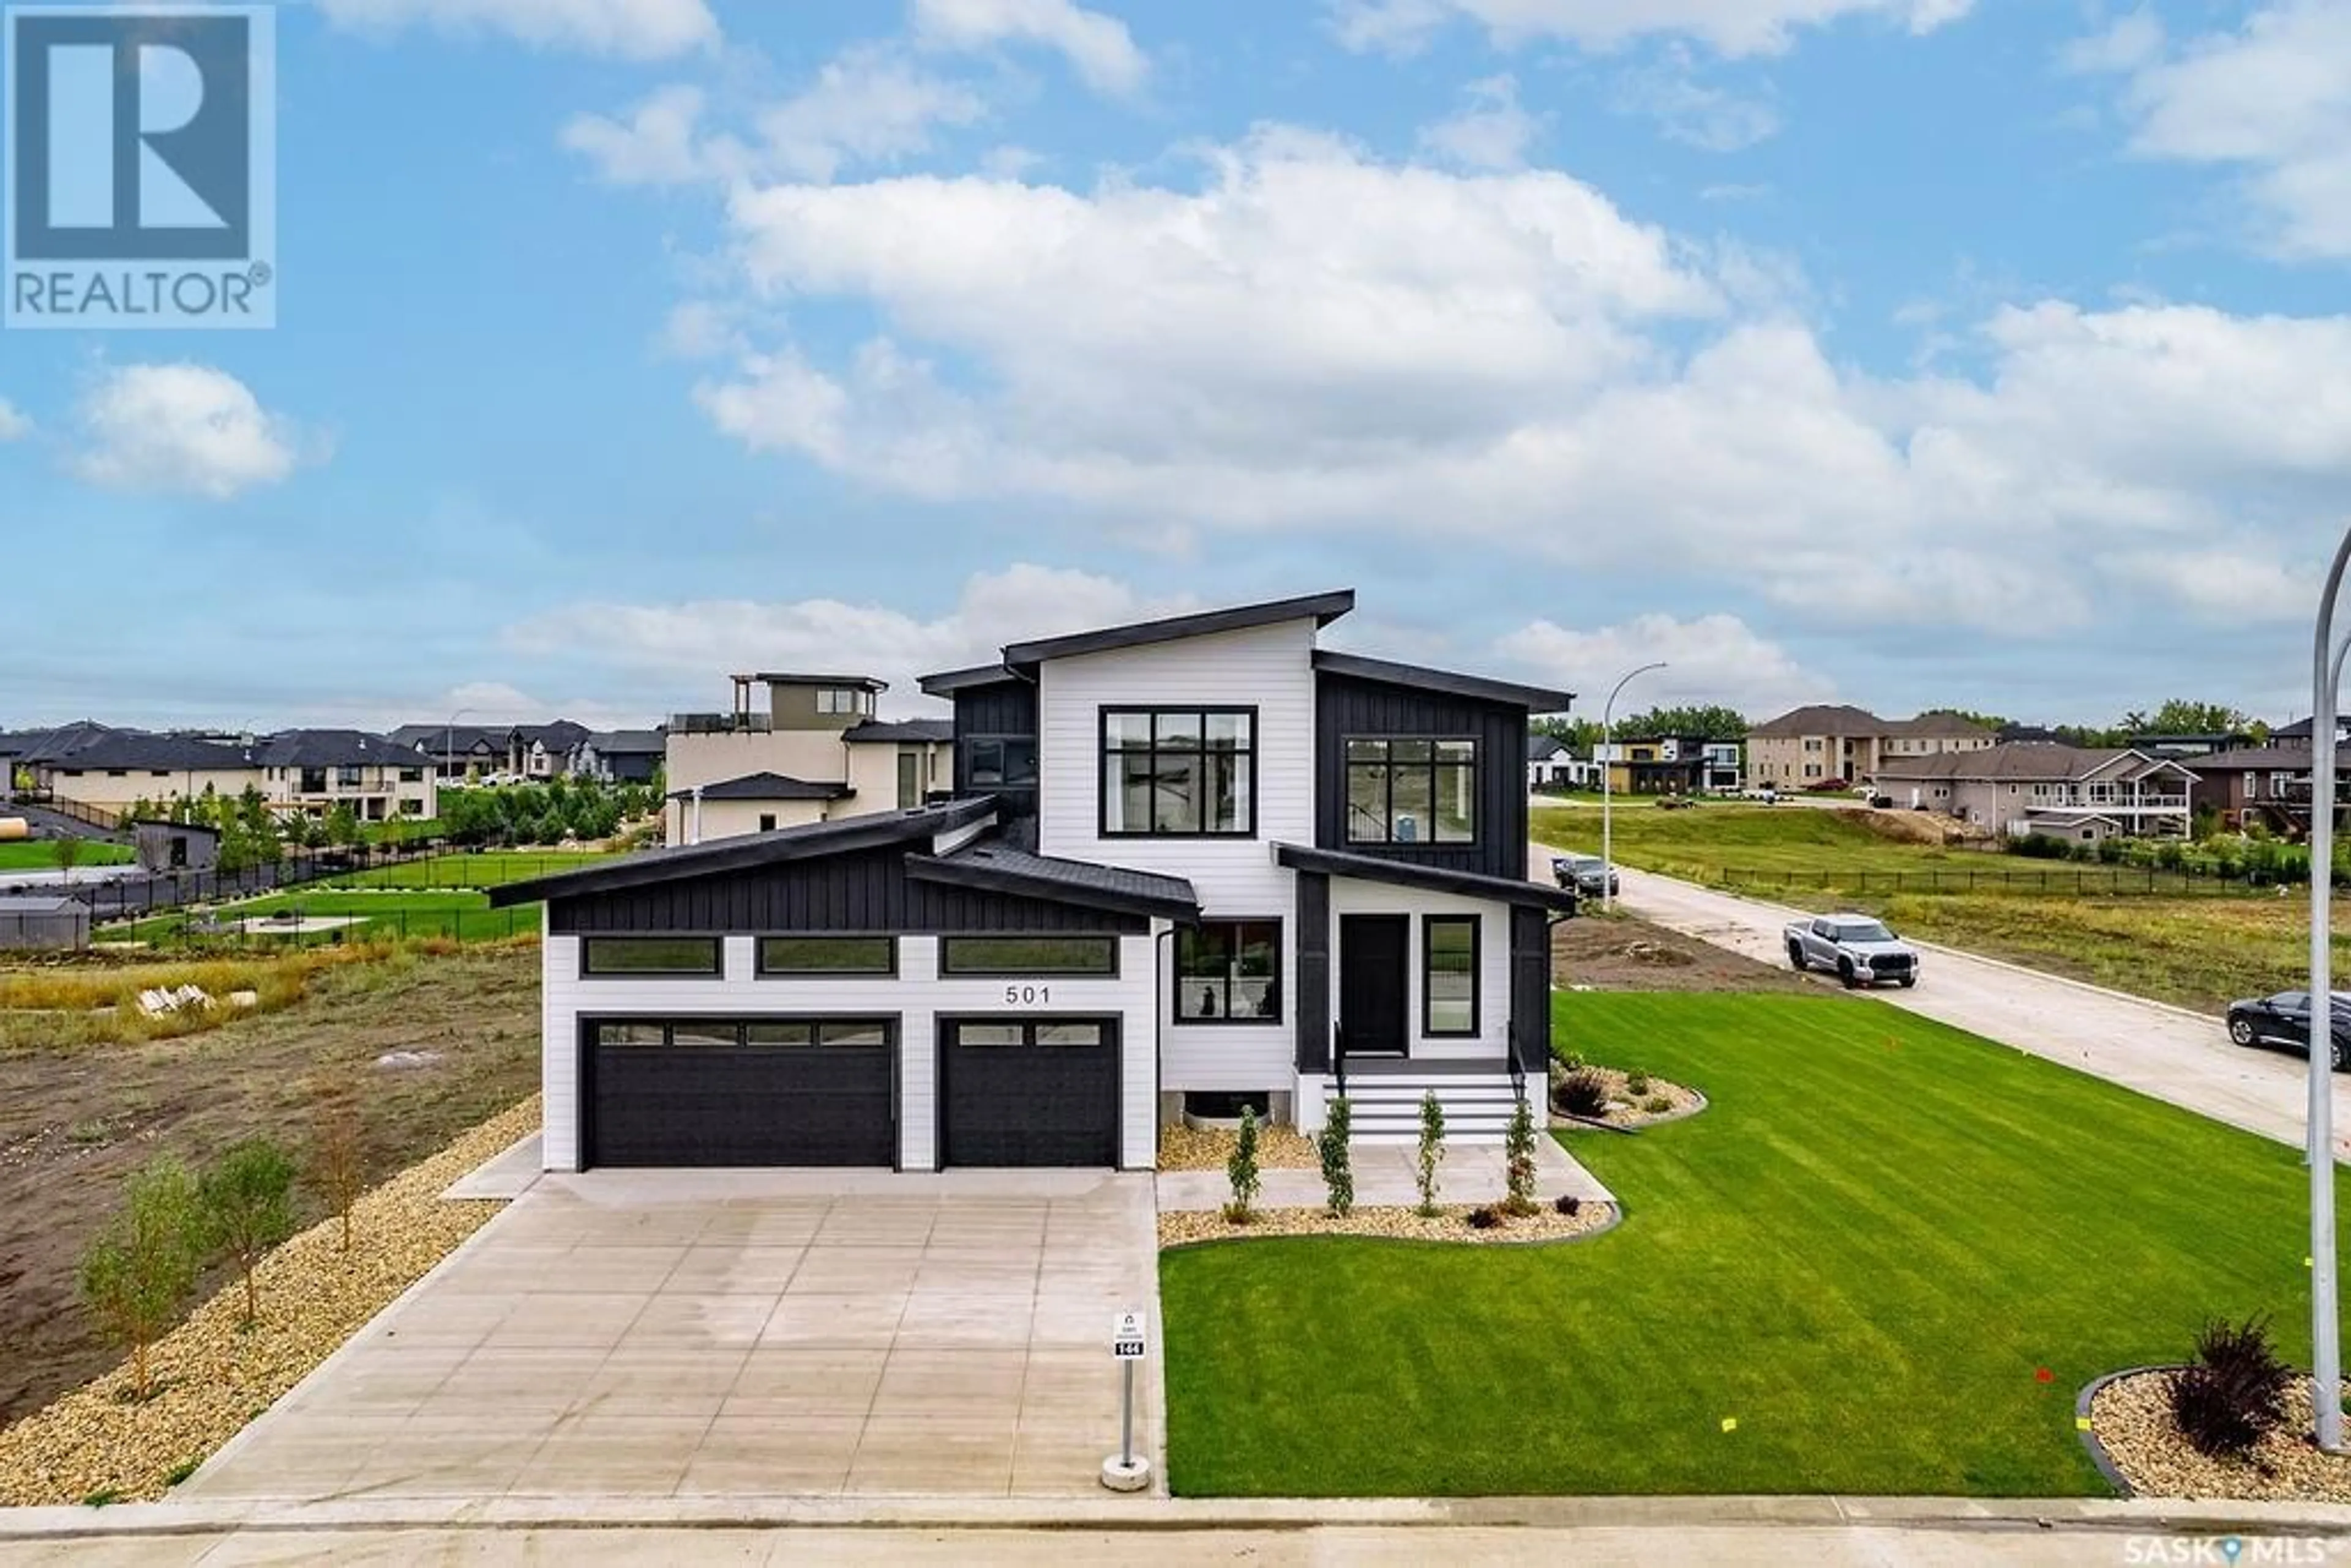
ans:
x=2099 y=1456
x=1670 y=1117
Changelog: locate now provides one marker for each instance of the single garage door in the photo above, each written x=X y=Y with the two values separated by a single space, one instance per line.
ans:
x=1029 y=1092
x=741 y=1092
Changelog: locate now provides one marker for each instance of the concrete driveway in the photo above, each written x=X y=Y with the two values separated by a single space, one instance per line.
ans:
x=677 y=1333
x=2165 y=1052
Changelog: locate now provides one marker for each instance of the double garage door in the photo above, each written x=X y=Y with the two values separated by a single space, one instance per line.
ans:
x=799 y=1092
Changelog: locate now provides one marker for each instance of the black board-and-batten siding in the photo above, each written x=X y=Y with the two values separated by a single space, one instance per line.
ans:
x=1347 y=705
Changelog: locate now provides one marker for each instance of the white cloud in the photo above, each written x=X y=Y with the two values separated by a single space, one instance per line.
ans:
x=1491 y=133
x=694 y=639
x=1728 y=27
x=2271 y=99
x=14 y=425
x=630 y=29
x=1710 y=118
x=1710 y=659
x=2228 y=586
x=2127 y=44
x=1098 y=46
x=182 y=429
x=659 y=144
x=488 y=703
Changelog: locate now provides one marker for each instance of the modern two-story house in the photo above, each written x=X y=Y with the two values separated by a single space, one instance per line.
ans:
x=1183 y=864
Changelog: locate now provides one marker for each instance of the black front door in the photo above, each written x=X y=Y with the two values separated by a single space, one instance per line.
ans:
x=1373 y=952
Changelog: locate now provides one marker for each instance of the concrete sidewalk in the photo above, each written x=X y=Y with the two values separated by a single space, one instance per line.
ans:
x=1386 y=1178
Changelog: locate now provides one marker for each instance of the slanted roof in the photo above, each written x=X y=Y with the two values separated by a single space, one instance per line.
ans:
x=2265 y=759
x=1536 y=699
x=131 y=750
x=1321 y=608
x=629 y=742
x=946 y=683
x=767 y=786
x=1543 y=747
x=560 y=735
x=749 y=851
x=929 y=731
x=334 y=748
x=1435 y=879
x=440 y=739
x=1820 y=718
x=1936 y=726
x=158 y=822
x=992 y=863
x=2027 y=760
x=30 y=905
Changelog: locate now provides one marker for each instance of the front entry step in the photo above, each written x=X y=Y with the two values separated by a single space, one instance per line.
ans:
x=1477 y=1106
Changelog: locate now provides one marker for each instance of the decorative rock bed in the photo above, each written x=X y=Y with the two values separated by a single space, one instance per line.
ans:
x=2131 y=1426
x=214 y=1376
x=1193 y=1227
x=1628 y=1110
x=1279 y=1147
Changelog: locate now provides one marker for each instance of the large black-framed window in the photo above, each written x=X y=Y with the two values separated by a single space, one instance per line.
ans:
x=1179 y=772
x=1448 y=975
x=999 y=762
x=650 y=957
x=1411 y=791
x=1077 y=956
x=799 y=956
x=1229 y=971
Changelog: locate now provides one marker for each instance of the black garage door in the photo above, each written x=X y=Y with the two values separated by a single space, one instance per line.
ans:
x=1029 y=1092
x=740 y=1091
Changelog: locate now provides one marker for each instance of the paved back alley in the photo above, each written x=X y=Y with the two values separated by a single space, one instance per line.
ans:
x=684 y=1334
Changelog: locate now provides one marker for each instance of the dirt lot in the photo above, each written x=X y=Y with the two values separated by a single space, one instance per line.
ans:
x=74 y=1119
x=1624 y=953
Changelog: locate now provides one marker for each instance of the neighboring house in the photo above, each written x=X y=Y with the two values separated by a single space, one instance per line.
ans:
x=619 y=757
x=1552 y=764
x=1666 y=765
x=2299 y=730
x=305 y=771
x=1813 y=745
x=175 y=846
x=2269 y=785
x=312 y=771
x=1187 y=864
x=540 y=751
x=455 y=751
x=812 y=742
x=2039 y=786
x=2188 y=745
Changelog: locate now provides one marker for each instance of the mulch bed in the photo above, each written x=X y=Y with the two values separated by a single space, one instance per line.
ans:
x=215 y=1375
x=1187 y=1227
x=1279 y=1147
x=1626 y=1109
x=2131 y=1417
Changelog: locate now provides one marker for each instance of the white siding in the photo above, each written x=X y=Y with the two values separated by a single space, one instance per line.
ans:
x=916 y=997
x=1350 y=897
x=1268 y=667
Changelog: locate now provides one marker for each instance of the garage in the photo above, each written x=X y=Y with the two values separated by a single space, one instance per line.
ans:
x=740 y=1091
x=1029 y=1092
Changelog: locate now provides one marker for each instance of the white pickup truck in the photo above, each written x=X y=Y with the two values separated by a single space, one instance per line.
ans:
x=1860 y=949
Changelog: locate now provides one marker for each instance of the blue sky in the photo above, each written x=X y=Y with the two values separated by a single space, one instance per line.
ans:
x=1893 y=352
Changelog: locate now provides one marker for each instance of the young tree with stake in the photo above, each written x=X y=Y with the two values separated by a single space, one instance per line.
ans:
x=248 y=1196
x=138 y=1271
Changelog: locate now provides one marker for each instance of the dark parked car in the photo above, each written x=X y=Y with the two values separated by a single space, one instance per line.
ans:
x=2284 y=1019
x=1582 y=873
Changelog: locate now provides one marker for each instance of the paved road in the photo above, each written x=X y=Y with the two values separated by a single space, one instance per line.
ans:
x=2165 y=1052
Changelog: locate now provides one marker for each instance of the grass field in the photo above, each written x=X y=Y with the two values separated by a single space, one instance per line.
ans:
x=1862 y=1254
x=388 y=912
x=41 y=854
x=487 y=868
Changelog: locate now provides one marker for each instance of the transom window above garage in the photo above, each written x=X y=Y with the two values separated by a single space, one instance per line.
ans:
x=692 y=1032
x=650 y=956
x=1028 y=956
x=828 y=955
x=1038 y=1033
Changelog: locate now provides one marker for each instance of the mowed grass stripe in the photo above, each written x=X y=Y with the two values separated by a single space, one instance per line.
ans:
x=1863 y=1253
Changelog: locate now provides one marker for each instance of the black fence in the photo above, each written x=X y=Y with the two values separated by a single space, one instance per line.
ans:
x=295 y=927
x=142 y=894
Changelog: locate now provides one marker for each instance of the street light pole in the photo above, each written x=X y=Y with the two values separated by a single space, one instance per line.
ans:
x=1607 y=845
x=449 y=740
x=2325 y=1325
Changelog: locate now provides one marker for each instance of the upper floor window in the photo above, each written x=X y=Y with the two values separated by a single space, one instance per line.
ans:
x=1179 y=772
x=843 y=699
x=1000 y=761
x=1411 y=791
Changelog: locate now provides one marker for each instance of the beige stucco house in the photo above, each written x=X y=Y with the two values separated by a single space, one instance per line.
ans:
x=1811 y=745
x=798 y=750
x=2041 y=787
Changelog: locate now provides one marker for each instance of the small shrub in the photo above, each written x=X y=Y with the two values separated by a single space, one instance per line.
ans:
x=1519 y=1153
x=1338 y=1167
x=1485 y=1217
x=1657 y=1104
x=1571 y=1060
x=2233 y=1393
x=1431 y=1152
x=1584 y=1093
x=1636 y=1083
x=1241 y=1169
x=181 y=1472
x=1567 y=1203
x=103 y=1497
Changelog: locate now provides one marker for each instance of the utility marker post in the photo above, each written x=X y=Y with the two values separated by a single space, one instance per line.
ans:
x=1126 y=1470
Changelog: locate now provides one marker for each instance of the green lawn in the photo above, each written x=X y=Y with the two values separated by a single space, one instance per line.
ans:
x=41 y=854
x=489 y=868
x=390 y=913
x=1861 y=1254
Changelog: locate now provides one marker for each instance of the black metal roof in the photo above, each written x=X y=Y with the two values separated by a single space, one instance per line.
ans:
x=991 y=864
x=1323 y=608
x=1536 y=699
x=131 y=750
x=769 y=787
x=916 y=729
x=749 y=851
x=629 y=742
x=1435 y=879
x=334 y=748
x=948 y=681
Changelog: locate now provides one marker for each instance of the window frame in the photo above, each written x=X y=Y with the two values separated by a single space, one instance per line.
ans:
x=1428 y=925
x=587 y=945
x=966 y=745
x=816 y=1022
x=1177 y=980
x=1347 y=766
x=948 y=970
x=1104 y=757
x=761 y=970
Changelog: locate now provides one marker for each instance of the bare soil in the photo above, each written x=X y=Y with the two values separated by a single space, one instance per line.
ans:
x=1622 y=953
x=76 y=1119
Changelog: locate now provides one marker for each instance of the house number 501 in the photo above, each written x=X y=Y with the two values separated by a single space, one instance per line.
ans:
x=1027 y=996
